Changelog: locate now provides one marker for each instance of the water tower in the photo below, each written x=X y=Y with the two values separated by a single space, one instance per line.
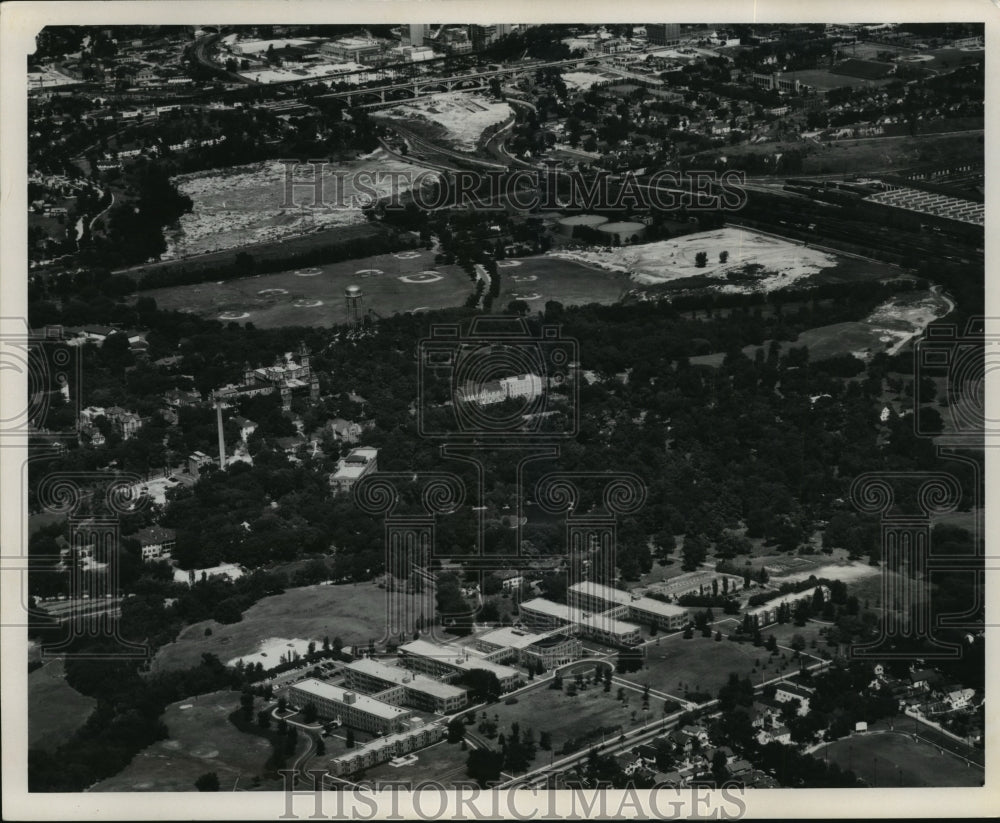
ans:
x=354 y=302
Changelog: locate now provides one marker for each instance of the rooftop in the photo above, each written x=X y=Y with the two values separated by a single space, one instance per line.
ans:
x=576 y=615
x=463 y=658
x=511 y=638
x=363 y=702
x=405 y=677
x=622 y=598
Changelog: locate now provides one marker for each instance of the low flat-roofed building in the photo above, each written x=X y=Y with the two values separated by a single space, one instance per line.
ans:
x=352 y=709
x=416 y=690
x=604 y=626
x=351 y=469
x=595 y=597
x=385 y=748
x=540 y=614
x=551 y=649
x=449 y=662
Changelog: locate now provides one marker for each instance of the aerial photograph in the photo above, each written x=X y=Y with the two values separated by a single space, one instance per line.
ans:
x=524 y=405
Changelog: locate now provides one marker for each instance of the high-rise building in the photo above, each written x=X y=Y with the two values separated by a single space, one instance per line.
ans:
x=483 y=36
x=414 y=33
x=663 y=34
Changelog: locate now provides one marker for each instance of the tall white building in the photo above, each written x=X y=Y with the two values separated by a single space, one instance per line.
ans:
x=414 y=33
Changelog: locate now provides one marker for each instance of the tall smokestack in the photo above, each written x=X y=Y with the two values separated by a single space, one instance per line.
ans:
x=222 y=438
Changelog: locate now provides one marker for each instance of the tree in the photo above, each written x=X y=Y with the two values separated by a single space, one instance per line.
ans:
x=310 y=713
x=264 y=718
x=484 y=766
x=772 y=643
x=456 y=730
x=482 y=683
x=349 y=742
x=208 y=782
x=694 y=551
x=719 y=765
x=545 y=741
x=723 y=257
x=246 y=702
x=701 y=259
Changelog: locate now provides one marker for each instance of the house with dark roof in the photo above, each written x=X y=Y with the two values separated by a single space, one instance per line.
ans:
x=156 y=542
x=924 y=679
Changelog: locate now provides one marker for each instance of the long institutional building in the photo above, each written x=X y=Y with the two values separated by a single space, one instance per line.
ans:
x=603 y=613
x=593 y=596
x=398 y=686
x=360 y=711
x=449 y=662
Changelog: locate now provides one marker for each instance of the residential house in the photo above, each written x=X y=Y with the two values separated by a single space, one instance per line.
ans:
x=245 y=427
x=156 y=542
x=787 y=692
x=923 y=680
x=960 y=698
x=346 y=430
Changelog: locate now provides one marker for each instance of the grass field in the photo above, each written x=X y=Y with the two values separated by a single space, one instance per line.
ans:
x=824 y=80
x=538 y=279
x=567 y=718
x=384 y=292
x=273 y=300
x=201 y=739
x=441 y=762
x=888 y=327
x=55 y=709
x=675 y=665
x=354 y=613
x=893 y=759
x=885 y=153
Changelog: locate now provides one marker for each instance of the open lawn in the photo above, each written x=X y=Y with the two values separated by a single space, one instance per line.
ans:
x=201 y=739
x=315 y=296
x=539 y=279
x=784 y=633
x=568 y=718
x=824 y=80
x=675 y=665
x=354 y=613
x=55 y=709
x=661 y=572
x=864 y=155
x=893 y=759
x=441 y=762
x=890 y=327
